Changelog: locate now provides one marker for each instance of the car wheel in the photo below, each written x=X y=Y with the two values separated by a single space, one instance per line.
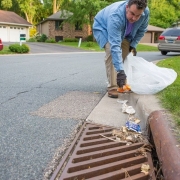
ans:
x=164 y=52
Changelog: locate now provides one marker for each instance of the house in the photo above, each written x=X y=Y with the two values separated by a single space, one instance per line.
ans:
x=12 y=26
x=55 y=27
x=152 y=34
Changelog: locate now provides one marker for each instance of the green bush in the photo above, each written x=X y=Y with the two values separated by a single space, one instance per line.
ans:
x=50 y=40
x=19 y=49
x=41 y=38
x=90 y=44
x=89 y=38
x=70 y=40
x=31 y=40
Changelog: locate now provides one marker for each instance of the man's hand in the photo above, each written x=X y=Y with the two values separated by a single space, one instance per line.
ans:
x=121 y=78
x=133 y=50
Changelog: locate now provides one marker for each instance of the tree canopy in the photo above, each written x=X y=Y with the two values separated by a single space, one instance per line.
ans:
x=163 y=13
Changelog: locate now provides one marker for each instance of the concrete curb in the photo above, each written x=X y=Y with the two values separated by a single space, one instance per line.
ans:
x=108 y=111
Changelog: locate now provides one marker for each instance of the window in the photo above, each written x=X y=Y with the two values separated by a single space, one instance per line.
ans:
x=171 y=32
x=59 y=25
x=78 y=26
x=58 y=38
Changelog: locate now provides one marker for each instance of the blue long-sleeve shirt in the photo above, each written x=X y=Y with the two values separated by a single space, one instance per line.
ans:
x=110 y=25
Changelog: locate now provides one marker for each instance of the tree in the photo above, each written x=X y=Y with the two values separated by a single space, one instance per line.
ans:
x=162 y=13
x=83 y=10
x=6 y=4
x=29 y=8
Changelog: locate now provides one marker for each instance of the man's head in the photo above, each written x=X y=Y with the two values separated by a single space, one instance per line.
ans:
x=134 y=9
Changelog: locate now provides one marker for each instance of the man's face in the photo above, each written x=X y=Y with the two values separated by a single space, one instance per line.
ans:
x=132 y=13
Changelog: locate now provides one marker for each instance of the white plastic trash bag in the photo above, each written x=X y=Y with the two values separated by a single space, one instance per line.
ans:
x=145 y=77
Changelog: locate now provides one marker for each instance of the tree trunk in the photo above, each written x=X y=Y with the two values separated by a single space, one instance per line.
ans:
x=54 y=6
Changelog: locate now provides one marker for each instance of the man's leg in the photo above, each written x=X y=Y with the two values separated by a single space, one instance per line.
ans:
x=110 y=70
x=125 y=48
x=111 y=73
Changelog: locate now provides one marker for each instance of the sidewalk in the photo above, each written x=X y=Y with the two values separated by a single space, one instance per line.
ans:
x=108 y=111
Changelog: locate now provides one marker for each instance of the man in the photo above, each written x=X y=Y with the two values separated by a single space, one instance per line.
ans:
x=118 y=28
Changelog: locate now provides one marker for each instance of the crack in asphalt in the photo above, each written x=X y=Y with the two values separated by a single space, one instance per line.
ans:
x=19 y=93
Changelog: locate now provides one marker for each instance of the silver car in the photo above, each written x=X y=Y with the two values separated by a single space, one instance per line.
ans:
x=169 y=41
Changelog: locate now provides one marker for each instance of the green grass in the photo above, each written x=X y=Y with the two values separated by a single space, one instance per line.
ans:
x=6 y=50
x=95 y=46
x=170 y=96
x=142 y=47
x=92 y=46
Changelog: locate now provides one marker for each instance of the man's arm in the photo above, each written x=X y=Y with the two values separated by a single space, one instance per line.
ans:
x=115 y=27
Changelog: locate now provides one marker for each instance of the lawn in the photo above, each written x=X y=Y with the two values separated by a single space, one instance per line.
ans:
x=6 y=50
x=170 y=96
x=95 y=47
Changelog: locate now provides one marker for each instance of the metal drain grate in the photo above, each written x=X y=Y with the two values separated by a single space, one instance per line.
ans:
x=94 y=157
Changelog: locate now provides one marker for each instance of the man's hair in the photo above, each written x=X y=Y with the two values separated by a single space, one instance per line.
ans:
x=140 y=4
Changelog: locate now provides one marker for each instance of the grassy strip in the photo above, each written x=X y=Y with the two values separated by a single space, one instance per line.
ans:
x=95 y=47
x=170 y=96
x=142 y=47
x=6 y=50
x=92 y=46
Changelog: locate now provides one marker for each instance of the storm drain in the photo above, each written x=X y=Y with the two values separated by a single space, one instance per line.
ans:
x=94 y=157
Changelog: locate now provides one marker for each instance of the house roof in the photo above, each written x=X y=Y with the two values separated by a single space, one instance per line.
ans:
x=9 y=17
x=154 y=28
x=60 y=15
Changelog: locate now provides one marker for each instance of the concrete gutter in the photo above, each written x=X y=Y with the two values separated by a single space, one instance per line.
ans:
x=149 y=111
x=108 y=111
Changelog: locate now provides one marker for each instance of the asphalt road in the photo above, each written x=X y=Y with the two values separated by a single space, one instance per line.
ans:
x=44 y=98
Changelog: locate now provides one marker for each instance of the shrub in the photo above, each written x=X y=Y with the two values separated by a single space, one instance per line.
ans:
x=89 y=38
x=41 y=38
x=32 y=31
x=31 y=40
x=70 y=40
x=19 y=49
x=90 y=44
x=51 y=40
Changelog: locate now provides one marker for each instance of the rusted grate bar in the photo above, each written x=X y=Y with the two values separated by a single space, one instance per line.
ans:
x=97 y=158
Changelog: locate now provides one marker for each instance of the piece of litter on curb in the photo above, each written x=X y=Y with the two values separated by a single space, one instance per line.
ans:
x=132 y=118
x=122 y=101
x=127 y=109
x=124 y=129
x=145 y=168
x=124 y=107
x=133 y=126
x=130 y=110
x=137 y=121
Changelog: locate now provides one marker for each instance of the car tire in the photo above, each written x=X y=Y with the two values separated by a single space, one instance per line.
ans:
x=164 y=52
